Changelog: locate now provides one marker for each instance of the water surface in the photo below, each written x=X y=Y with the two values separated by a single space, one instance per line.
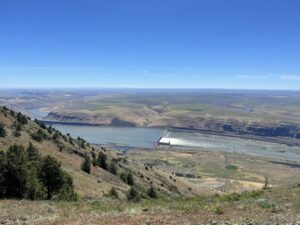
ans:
x=128 y=136
x=200 y=141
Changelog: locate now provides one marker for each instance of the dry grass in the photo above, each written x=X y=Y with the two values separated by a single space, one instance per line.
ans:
x=274 y=206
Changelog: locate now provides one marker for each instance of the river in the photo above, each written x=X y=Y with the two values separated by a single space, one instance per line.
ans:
x=126 y=136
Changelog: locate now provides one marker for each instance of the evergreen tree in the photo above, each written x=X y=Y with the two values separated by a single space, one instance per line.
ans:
x=130 y=180
x=113 y=193
x=25 y=174
x=38 y=136
x=71 y=141
x=123 y=177
x=2 y=130
x=133 y=195
x=16 y=172
x=82 y=145
x=17 y=133
x=32 y=153
x=18 y=126
x=34 y=187
x=22 y=119
x=66 y=192
x=3 y=171
x=51 y=176
x=86 y=165
x=102 y=160
x=55 y=136
x=94 y=158
x=113 y=168
x=151 y=192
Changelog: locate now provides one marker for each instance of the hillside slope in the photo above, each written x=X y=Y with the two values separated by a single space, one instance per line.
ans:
x=178 y=203
x=70 y=152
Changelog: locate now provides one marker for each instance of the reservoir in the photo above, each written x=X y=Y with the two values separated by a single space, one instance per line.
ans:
x=126 y=136
x=198 y=141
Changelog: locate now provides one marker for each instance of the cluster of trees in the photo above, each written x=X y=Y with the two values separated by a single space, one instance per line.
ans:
x=22 y=119
x=39 y=135
x=83 y=143
x=101 y=161
x=25 y=174
x=127 y=178
x=134 y=196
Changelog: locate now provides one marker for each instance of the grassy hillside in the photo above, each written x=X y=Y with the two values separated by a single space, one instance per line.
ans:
x=177 y=202
x=70 y=152
x=278 y=206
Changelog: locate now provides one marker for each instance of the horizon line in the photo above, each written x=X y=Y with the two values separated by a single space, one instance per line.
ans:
x=149 y=88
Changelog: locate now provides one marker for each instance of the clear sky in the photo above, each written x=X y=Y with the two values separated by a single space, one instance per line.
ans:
x=150 y=43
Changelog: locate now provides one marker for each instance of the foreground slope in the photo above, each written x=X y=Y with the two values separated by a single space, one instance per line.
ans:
x=278 y=206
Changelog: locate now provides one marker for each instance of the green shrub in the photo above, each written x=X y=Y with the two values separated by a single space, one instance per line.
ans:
x=32 y=153
x=151 y=192
x=133 y=195
x=129 y=179
x=218 y=210
x=2 y=130
x=55 y=180
x=39 y=136
x=113 y=168
x=231 y=167
x=102 y=160
x=22 y=119
x=113 y=193
x=71 y=141
x=86 y=164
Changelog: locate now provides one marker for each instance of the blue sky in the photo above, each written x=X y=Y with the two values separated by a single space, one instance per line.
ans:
x=150 y=43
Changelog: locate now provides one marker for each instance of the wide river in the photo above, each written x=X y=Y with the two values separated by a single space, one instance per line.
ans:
x=127 y=136
x=147 y=138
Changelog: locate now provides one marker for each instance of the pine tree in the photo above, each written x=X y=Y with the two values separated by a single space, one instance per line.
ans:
x=66 y=192
x=71 y=141
x=152 y=193
x=130 y=180
x=2 y=130
x=16 y=172
x=32 y=153
x=51 y=176
x=17 y=133
x=113 y=193
x=102 y=160
x=25 y=174
x=86 y=164
x=38 y=136
x=22 y=119
x=34 y=187
x=113 y=168
x=133 y=195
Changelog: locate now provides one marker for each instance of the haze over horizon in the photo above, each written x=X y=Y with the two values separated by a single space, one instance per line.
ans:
x=150 y=44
